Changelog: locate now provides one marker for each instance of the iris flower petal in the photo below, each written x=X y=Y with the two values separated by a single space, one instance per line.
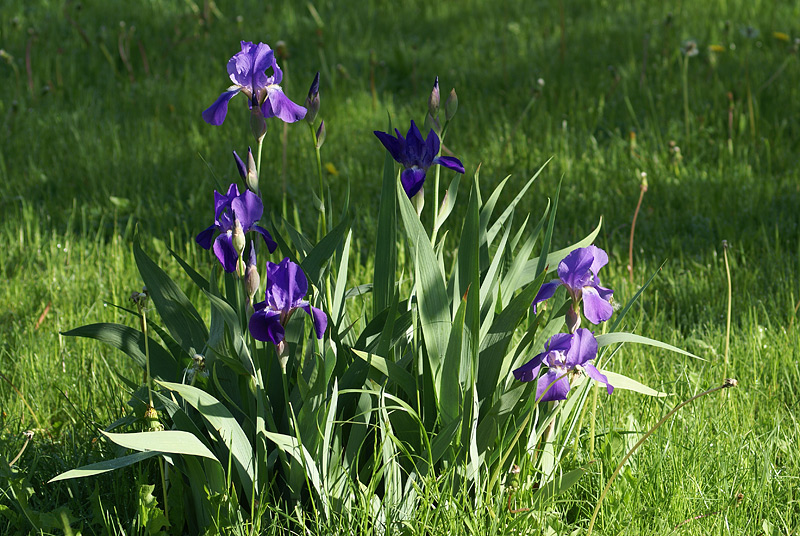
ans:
x=215 y=114
x=206 y=237
x=595 y=308
x=530 y=370
x=271 y=244
x=599 y=258
x=415 y=146
x=265 y=326
x=225 y=252
x=318 y=317
x=247 y=68
x=558 y=391
x=598 y=376
x=412 y=180
x=280 y=106
x=574 y=269
x=450 y=163
x=394 y=145
x=546 y=292
x=582 y=348
x=248 y=209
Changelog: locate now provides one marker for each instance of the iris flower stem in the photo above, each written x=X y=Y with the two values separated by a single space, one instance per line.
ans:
x=435 y=202
x=296 y=434
x=436 y=189
x=323 y=224
x=519 y=432
x=727 y=383
x=149 y=379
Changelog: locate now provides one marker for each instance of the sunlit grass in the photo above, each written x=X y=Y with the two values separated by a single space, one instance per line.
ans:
x=88 y=156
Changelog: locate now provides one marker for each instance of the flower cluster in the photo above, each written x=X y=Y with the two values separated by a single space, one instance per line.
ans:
x=566 y=353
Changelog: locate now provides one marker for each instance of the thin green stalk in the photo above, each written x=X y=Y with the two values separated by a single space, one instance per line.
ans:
x=730 y=382
x=730 y=299
x=436 y=175
x=149 y=378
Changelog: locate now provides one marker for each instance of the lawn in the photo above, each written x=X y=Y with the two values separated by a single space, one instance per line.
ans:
x=102 y=140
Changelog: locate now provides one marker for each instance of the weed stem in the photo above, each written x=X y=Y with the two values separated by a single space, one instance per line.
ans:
x=730 y=382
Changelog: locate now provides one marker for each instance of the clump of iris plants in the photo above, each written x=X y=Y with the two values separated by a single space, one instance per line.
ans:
x=457 y=360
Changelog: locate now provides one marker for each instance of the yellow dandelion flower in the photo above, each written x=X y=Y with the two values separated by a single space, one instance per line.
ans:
x=716 y=48
x=330 y=168
x=780 y=36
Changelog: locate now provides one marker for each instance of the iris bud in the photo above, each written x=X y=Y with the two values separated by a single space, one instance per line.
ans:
x=312 y=101
x=252 y=172
x=238 y=237
x=451 y=105
x=251 y=279
x=258 y=125
x=434 y=99
x=321 y=134
x=573 y=320
x=240 y=167
x=419 y=201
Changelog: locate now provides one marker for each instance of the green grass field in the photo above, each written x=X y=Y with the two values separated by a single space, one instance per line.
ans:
x=101 y=135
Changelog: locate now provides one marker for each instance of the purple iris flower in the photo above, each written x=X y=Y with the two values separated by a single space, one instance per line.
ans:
x=578 y=272
x=564 y=352
x=248 y=72
x=417 y=155
x=230 y=209
x=286 y=287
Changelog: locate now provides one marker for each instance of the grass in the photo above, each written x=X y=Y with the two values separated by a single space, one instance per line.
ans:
x=91 y=150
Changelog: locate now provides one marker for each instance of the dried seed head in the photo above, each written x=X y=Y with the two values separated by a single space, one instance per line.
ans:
x=731 y=382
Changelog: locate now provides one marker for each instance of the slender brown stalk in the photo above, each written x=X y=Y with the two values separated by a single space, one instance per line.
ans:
x=143 y=54
x=28 y=53
x=730 y=382
x=642 y=190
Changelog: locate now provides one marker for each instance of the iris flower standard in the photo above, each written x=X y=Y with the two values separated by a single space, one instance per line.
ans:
x=417 y=155
x=234 y=213
x=564 y=352
x=286 y=287
x=578 y=272
x=248 y=72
